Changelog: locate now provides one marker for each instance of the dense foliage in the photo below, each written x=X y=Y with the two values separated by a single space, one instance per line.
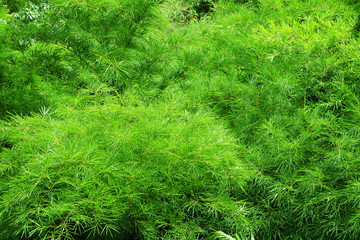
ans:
x=193 y=119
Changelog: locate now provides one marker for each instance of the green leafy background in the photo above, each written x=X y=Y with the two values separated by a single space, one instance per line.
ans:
x=149 y=119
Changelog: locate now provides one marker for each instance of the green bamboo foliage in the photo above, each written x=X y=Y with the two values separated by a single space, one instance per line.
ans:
x=282 y=75
x=99 y=34
x=242 y=124
x=19 y=92
x=112 y=172
x=73 y=40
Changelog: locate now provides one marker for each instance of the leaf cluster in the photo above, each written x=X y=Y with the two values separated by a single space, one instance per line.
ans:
x=119 y=172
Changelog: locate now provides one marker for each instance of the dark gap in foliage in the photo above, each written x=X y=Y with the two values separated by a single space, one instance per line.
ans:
x=356 y=5
x=6 y=144
x=203 y=7
x=220 y=105
x=20 y=101
x=356 y=28
x=17 y=5
x=14 y=5
x=198 y=10
x=112 y=236
x=316 y=93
